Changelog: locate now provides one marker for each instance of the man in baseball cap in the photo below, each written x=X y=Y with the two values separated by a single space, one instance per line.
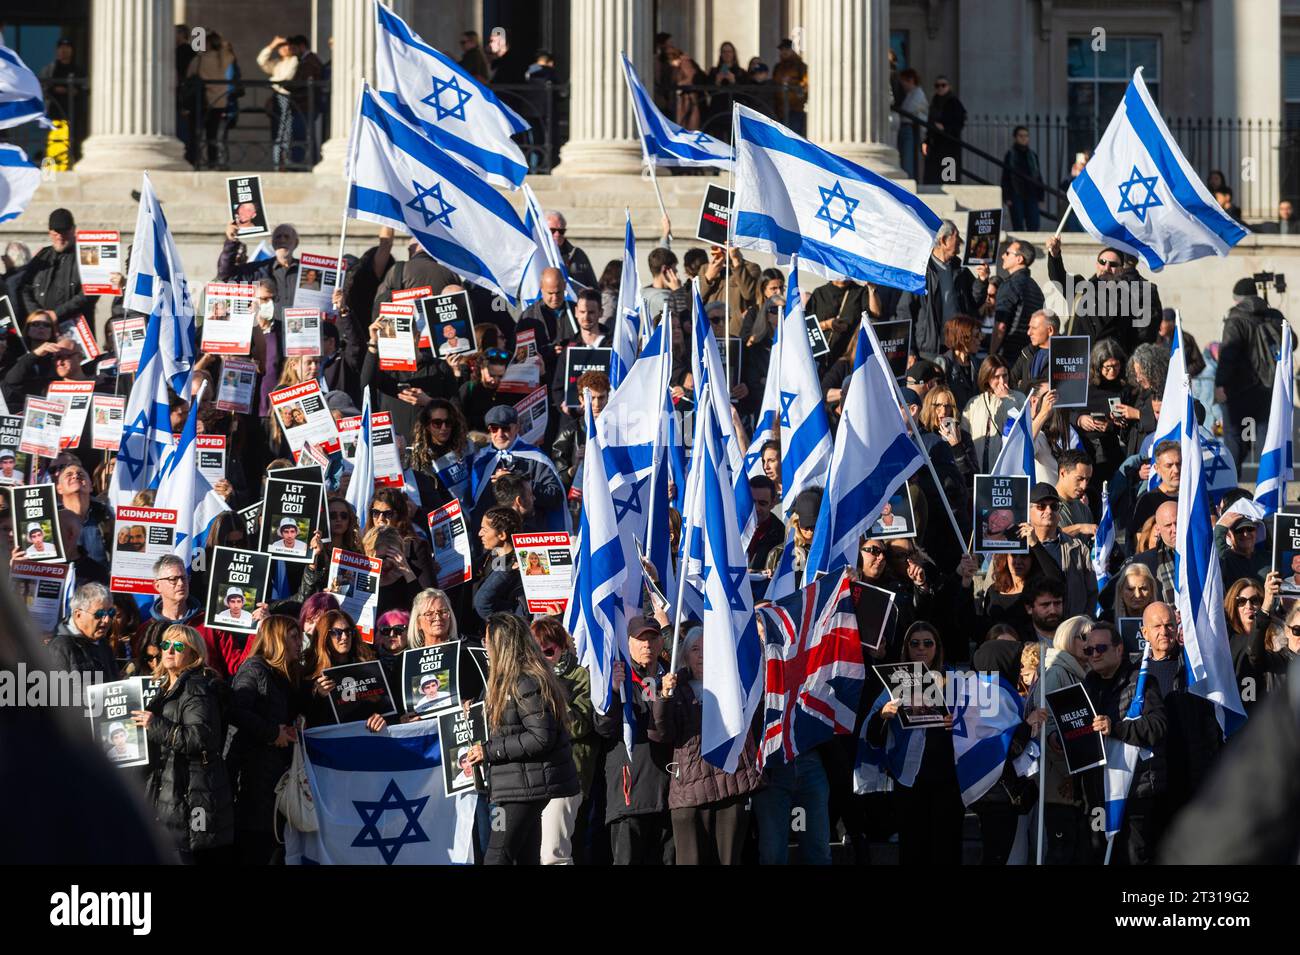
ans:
x=234 y=614
x=38 y=548
x=52 y=282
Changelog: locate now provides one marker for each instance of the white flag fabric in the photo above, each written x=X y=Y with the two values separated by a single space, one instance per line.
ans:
x=1169 y=425
x=1139 y=193
x=547 y=255
x=454 y=110
x=21 y=99
x=627 y=315
x=361 y=486
x=19 y=180
x=1275 y=461
x=379 y=800
x=184 y=489
x=403 y=180
x=841 y=219
x=663 y=142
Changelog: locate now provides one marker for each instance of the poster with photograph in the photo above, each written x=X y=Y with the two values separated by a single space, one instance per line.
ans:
x=896 y=519
x=450 y=538
x=228 y=313
x=895 y=339
x=78 y=331
x=107 y=412
x=526 y=347
x=318 y=277
x=290 y=515
x=874 y=608
x=457 y=733
x=75 y=397
x=397 y=337
x=313 y=473
x=247 y=211
x=521 y=377
x=1073 y=712
x=1286 y=552
x=238 y=581
x=110 y=706
x=39 y=585
x=534 y=413
x=99 y=255
x=42 y=427
x=302 y=331
x=35 y=511
x=412 y=297
x=354 y=580
x=13 y=463
x=304 y=416
x=1067 y=369
x=546 y=565
x=919 y=695
x=10 y=333
x=450 y=323
x=360 y=691
x=128 y=341
x=388 y=463
x=715 y=213
x=210 y=455
x=141 y=536
x=578 y=361
x=235 y=390
x=983 y=233
x=1001 y=506
x=429 y=679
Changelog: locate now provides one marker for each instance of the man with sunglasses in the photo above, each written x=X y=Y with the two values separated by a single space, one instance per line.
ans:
x=1113 y=685
x=1058 y=555
x=80 y=643
x=1115 y=302
x=575 y=260
x=1018 y=298
x=507 y=454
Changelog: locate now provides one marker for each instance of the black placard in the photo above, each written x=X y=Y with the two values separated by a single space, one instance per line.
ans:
x=1286 y=551
x=577 y=361
x=360 y=691
x=919 y=695
x=896 y=518
x=9 y=329
x=895 y=339
x=457 y=734
x=715 y=212
x=1001 y=506
x=816 y=337
x=247 y=211
x=1067 y=369
x=237 y=583
x=35 y=511
x=290 y=515
x=450 y=322
x=429 y=679
x=1073 y=712
x=1130 y=631
x=983 y=230
x=874 y=608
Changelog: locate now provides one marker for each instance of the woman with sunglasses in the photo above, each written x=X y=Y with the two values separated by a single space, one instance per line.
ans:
x=389 y=645
x=1283 y=647
x=920 y=760
x=334 y=643
x=390 y=507
x=1065 y=824
x=398 y=582
x=187 y=776
x=344 y=534
x=437 y=455
x=953 y=453
x=1250 y=609
x=264 y=705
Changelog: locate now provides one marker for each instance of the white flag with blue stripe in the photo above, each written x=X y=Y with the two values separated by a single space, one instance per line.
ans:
x=1198 y=582
x=403 y=180
x=184 y=489
x=627 y=314
x=1016 y=458
x=733 y=683
x=155 y=285
x=1140 y=194
x=841 y=219
x=1173 y=400
x=455 y=111
x=21 y=99
x=1103 y=544
x=547 y=255
x=379 y=800
x=1275 y=461
x=986 y=715
x=361 y=486
x=663 y=142
x=19 y=180
x=873 y=457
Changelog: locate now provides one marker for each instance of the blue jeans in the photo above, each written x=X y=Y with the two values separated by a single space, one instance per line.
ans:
x=802 y=784
x=1024 y=214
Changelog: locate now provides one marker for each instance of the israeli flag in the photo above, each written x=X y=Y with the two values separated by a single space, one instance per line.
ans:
x=1198 y=584
x=156 y=286
x=456 y=112
x=987 y=713
x=878 y=769
x=873 y=457
x=21 y=99
x=1122 y=758
x=1140 y=194
x=663 y=142
x=379 y=800
x=800 y=413
x=19 y=179
x=1016 y=458
x=733 y=680
x=547 y=255
x=627 y=315
x=843 y=220
x=1103 y=544
x=401 y=179
x=361 y=486
x=1275 y=462
x=1173 y=400
x=596 y=616
x=182 y=488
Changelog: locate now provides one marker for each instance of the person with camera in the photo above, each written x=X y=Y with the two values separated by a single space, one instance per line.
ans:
x=507 y=453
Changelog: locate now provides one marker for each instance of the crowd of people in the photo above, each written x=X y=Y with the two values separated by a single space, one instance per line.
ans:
x=230 y=705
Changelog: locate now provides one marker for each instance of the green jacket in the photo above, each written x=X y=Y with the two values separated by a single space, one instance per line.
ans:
x=582 y=715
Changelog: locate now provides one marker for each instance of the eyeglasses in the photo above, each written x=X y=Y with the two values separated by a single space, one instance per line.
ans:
x=177 y=646
x=874 y=551
x=496 y=355
x=921 y=644
x=387 y=633
x=555 y=231
x=1047 y=505
x=108 y=614
x=1295 y=631
x=1253 y=601
x=335 y=632
x=378 y=514
x=439 y=422
x=944 y=406
x=1108 y=263
x=152 y=657
x=435 y=615
x=173 y=580
x=494 y=428
x=1096 y=651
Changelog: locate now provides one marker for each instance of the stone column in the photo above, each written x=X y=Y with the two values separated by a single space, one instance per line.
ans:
x=352 y=60
x=132 y=88
x=848 y=81
x=602 y=130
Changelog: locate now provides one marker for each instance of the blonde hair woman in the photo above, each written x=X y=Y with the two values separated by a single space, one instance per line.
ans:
x=1136 y=590
x=1065 y=822
x=188 y=778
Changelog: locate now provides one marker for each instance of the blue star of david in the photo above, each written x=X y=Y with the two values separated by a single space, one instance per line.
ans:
x=787 y=399
x=842 y=222
x=751 y=458
x=445 y=208
x=633 y=502
x=1139 y=209
x=733 y=579
x=149 y=455
x=1217 y=463
x=372 y=812
x=702 y=139
x=434 y=99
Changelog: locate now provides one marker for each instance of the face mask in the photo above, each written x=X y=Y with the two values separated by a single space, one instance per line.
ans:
x=266 y=310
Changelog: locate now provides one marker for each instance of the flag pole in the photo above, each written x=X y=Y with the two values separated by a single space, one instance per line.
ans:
x=645 y=153
x=1060 y=226
x=347 y=191
x=1042 y=753
x=1110 y=847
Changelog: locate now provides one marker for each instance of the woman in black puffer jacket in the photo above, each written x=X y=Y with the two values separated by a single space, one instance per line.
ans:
x=264 y=706
x=707 y=805
x=188 y=784
x=528 y=753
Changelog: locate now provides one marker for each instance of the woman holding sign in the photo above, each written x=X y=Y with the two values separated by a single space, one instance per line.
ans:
x=437 y=455
x=527 y=753
x=334 y=643
x=1065 y=825
x=188 y=780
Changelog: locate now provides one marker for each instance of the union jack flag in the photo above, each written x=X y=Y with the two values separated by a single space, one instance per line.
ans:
x=813 y=665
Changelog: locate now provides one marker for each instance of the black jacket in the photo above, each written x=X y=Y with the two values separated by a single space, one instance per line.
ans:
x=188 y=784
x=577 y=264
x=419 y=270
x=529 y=754
x=1238 y=372
x=1018 y=298
x=262 y=701
x=53 y=280
x=1125 y=309
x=1112 y=698
x=638 y=786
x=71 y=652
x=927 y=311
x=1193 y=740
